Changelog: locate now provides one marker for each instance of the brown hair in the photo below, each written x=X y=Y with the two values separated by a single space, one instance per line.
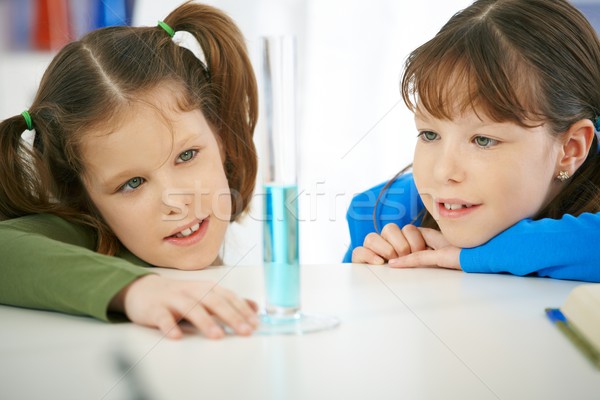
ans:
x=517 y=61
x=90 y=80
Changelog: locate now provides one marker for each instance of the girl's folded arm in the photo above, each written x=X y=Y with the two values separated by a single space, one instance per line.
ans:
x=49 y=263
x=565 y=248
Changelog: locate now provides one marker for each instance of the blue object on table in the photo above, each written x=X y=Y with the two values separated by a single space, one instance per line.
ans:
x=562 y=323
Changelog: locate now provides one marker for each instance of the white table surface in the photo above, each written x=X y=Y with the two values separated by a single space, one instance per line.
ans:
x=404 y=334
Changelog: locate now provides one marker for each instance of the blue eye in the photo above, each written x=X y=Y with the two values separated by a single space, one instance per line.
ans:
x=132 y=184
x=428 y=136
x=485 y=142
x=187 y=155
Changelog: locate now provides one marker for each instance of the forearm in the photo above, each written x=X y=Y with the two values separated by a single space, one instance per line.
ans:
x=45 y=273
x=564 y=249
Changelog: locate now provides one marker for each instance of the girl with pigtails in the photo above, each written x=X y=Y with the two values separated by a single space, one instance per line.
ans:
x=142 y=155
x=506 y=170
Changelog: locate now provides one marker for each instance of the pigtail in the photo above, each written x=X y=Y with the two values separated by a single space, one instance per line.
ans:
x=28 y=181
x=22 y=176
x=232 y=86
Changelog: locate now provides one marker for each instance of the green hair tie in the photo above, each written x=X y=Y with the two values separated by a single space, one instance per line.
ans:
x=167 y=28
x=28 y=120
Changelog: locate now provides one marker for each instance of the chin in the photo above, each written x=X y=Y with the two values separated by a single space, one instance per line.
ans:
x=187 y=265
x=466 y=241
x=197 y=263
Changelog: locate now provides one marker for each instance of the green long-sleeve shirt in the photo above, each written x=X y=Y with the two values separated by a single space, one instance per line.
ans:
x=49 y=263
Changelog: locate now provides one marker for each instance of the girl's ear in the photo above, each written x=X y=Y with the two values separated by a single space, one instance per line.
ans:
x=577 y=142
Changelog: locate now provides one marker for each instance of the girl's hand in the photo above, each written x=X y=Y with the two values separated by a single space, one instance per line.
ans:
x=439 y=253
x=160 y=302
x=391 y=244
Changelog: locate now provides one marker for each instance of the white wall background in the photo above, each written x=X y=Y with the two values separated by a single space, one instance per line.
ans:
x=354 y=130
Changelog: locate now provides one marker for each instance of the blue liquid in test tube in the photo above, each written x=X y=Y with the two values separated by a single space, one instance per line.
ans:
x=282 y=269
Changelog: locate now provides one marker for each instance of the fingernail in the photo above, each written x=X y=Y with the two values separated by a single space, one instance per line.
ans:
x=254 y=320
x=216 y=332
x=393 y=261
x=244 y=328
x=379 y=260
x=174 y=334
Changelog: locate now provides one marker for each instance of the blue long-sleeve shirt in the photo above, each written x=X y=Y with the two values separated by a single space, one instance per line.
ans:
x=565 y=248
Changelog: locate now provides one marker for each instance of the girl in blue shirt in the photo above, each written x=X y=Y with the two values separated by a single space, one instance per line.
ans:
x=506 y=172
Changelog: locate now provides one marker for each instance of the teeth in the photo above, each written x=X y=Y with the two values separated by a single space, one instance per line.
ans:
x=449 y=206
x=187 y=232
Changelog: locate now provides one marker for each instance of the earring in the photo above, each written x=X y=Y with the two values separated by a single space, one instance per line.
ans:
x=563 y=176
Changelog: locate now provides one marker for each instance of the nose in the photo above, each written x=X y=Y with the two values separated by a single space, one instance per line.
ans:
x=176 y=200
x=449 y=165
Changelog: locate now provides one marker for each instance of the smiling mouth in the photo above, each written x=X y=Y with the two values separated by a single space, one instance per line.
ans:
x=188 y=231
x=454 y=208
x=449 y=206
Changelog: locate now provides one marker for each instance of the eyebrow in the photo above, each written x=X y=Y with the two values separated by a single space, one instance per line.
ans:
x=479 y=123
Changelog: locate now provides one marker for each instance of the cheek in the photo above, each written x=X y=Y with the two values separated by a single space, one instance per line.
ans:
x=422 y=175
x=220 y=150
x=103 y=207
x=515 y=196
x=528 y=197
x=221 y=207
x=225 y=194
x=124 y=221
x=124 y=218
x=422 y=163
x=219 y=197
x=529 y=182
x=109 y=212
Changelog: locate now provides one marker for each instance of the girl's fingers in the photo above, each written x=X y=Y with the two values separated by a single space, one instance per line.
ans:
x=446 y=257
x=414 y=237
x=253 y=305
x=426 y=258
x=167 y=325
x=363 y=255
x=225 y=311
x=392 y=234
x=433 y=238
x=160 y=302
x=195 y=313
x=242 y=306
x=379 y=246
